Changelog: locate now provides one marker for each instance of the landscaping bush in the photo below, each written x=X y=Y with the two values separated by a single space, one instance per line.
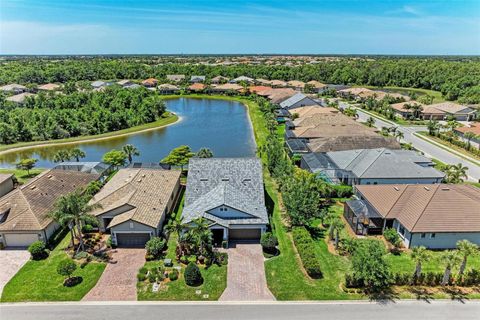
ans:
x=192 y=259
x=341 y=191
x=87 y=228
x=38 y=250
x=152 y=277
x=155 y=247
x=306 y=249
x=369 y=265
x=221 y=258
x=269 y=242
x=471 y=278
x=66 y=268
x=141 y=277
x=391 y=235
x=402 y=279
x=193 y=276
x=173 y=275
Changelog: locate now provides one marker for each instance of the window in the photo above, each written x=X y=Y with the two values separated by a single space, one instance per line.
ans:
x=423 y=235
x=432 y=235
x=131 y=225
x=375 y=182
x=401 y=230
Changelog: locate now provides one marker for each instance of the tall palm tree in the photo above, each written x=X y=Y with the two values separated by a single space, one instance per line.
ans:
x=77 y=153
x=450 y=259
x=204 y=153
x=419 y=255
x=466 y=249
x=335 y=227
x=469 y=136
x=62 y=156
x=131 y=151
x=399 y=135
x=432 y=127
x=177 y=226
x=74 y=209
x=456 y=173
x=370 y=122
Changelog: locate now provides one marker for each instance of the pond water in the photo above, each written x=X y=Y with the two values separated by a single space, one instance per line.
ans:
x=220 y=125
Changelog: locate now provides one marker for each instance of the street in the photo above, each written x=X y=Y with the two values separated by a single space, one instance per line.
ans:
x=426 y=147
x=437 y=310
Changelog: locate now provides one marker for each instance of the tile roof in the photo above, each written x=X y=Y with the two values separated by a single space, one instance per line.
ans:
x=145 y=192
x=150 y=82
x=316 y=84
x=349 y=142
x=20 y=98
x=296 y=84
x=401 y=106
x=175 y=77
x=234 y=182
x=296 y=98
x=12 y=87
x=427 y=208
x=197 y=87
x=227 y=87
x=49 y=86
x=29 y=205
x=451 y=107
x=473 y=128
x=242 y=78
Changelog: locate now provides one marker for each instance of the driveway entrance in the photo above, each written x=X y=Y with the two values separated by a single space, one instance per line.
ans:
x=246 y=274
x=10 y=262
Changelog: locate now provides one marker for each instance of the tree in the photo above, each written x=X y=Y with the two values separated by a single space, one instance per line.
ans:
x=399 y=135
x=419 y=255
x=73 y=210
x=155 y=247
x=130 y=150
x=469 y=136
x=77 y=154
x=204 y=153
x=115 y=158
x=193 y=276
x=369 y=265
x=370 y=122
x=335 y=226
x=26 y=164
x=176 y=226
x=178 y=156
x=62 y=156
x=449 y=259
x=456 y=173
x=433 y=127
x=466 y=249
x=66 y=268
x=268 y=241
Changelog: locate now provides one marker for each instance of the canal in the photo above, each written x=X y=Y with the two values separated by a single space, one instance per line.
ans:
x=220 y=125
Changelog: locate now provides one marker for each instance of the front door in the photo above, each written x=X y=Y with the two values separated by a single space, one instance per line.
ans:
x=217 y=237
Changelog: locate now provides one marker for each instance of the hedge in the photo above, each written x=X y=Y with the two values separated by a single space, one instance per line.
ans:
x=306 y=249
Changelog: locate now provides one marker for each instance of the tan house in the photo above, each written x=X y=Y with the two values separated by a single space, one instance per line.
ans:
x=49 y=87
x=167 y=88
x=197 y=87
x=296 y=84
x=6 y=183
x=135 y=203
x=227 y=87
x=219 y=80
x=20 y=98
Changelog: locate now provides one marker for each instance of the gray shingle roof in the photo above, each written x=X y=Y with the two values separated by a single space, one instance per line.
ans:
x=295 y=99
x=233 y=182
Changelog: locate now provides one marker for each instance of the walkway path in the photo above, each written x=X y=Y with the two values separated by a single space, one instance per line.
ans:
x=10 y=262
x=119 y=280
x=246 y=274
x=430 y=149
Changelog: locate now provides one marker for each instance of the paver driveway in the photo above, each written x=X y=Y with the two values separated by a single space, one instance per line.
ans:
x=246 y=274
x=10 y=262
x=119 y=280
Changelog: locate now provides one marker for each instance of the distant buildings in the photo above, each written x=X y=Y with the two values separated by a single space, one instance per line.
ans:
x=13 y=88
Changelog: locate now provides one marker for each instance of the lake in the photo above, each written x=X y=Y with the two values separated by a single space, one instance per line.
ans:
x=220 y=125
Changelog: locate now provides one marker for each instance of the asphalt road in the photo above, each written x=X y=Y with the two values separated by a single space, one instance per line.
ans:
x=410 y=310
x=429 y=149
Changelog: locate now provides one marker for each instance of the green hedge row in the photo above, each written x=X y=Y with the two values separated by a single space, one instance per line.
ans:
x=306 y=249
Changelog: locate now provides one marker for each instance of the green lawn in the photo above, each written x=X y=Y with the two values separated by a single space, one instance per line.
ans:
x=22 y=175
x=39 y=281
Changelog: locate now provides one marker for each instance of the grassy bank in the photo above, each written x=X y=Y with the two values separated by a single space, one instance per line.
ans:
x=169 y=119
x=39 y=280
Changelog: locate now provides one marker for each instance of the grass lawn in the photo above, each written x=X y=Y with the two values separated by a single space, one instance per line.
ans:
x=22 y=175
x=39 y=281
x=449 y=145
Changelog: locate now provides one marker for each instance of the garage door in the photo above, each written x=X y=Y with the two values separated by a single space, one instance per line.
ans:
x=132 y=240
x=244 y=234
x=20 y=239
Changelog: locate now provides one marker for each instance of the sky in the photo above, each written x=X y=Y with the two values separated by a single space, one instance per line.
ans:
x=438 y=27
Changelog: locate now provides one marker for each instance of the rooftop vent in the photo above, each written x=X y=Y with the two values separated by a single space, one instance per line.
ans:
x=32 y=187
x=225 y=179
x=203 y=179
x=427 y=188
x=396 y=188
x=50 y=176
x=445 y=188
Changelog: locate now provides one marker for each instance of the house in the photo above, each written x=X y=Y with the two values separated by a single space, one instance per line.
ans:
x=295 y=84
x=99 y=168
x=219 y=80
x=474 y=129
x=6 y=183
x=296 y=101
x=197 y=87
x=13 y=88
x=20 y=98
x=263 y=82
x=243 y=79
x=49 y=87
x=316 y=85
x=99 y=84
x=308 y=111
x=434 y=216
x=125 y=83
x=175 y=77
x=278 y=83
x=150 y=82
x=168 y=89
x=197 y=79
x=229 y=194
x=227 y=87
x=133 y=86
x=457 y=111
x=134 y=203
x=24 y=212
x=405 y=110
x=372 y=166
x=258 y=89
x=277 y=95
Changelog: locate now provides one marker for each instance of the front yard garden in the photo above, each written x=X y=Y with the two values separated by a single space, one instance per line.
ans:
x=39 y=280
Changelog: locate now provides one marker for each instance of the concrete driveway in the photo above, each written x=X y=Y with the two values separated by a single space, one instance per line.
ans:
x=246 y=274
x=119 y=280
x=10 y=262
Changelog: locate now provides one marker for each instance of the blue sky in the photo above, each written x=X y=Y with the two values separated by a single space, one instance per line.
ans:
x=180 y=26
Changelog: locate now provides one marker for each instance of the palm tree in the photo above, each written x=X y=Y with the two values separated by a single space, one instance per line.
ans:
x=77 y=153
x=469 y=136
x=335 y=227
x=452 y=124
x=416 y=110
x=62 y=156
x=204 y=153
x=399 y=135
x=450 y=259
x=131 y=151
x=419 y=255
x=466 y=249
x=74 y=210
x=433 y=127
x=370 y=122
x=456 y=173
x=177 y=226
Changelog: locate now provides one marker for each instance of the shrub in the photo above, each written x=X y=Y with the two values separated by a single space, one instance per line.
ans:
x=269 y=242
x=152 y=277
x=341 y=191
x=193 y=276
x=369 y=265
x=143 y=270
x=402 y=279
x=221 y=258
x=391 y=235
x=141 y=277
x=173 y=275
x=306 y=249
x=155 y=247
x=192 y=259
x=471 y=278
x=66 y=268
x=38 y=251
x=87 y=228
